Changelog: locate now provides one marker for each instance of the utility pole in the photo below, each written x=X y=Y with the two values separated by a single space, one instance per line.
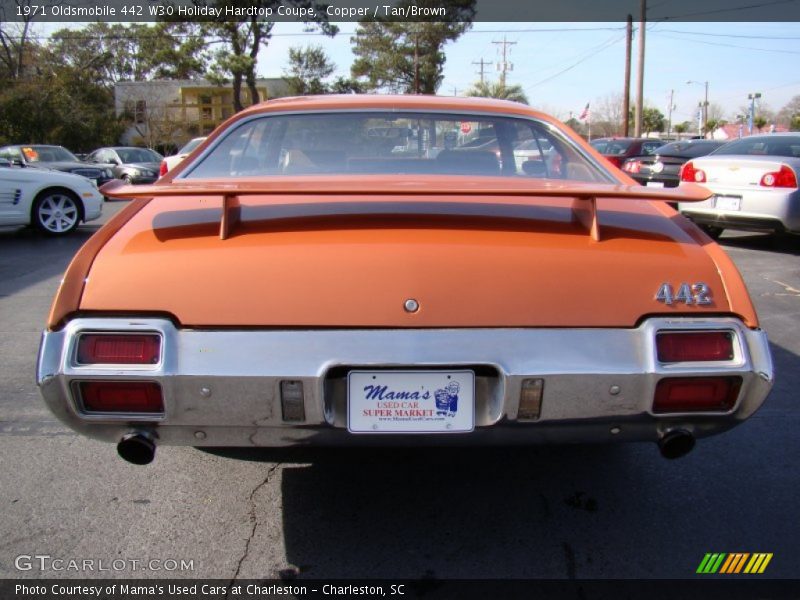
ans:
x=638 y=110
x=626 y=96
x=669 y=112
x=752 y=97
x=455 y=91
x=482 y=64
x=505 y=65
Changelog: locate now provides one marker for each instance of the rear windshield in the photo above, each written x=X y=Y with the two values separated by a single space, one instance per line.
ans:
x=688 y=150
x=138 y=155
x=396 y=143
x=611 y=147
x=769 y=146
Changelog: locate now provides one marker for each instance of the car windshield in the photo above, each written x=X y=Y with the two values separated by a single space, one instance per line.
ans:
x=687 y=149
x=138 y=155
x=407 y=143
x=191 y=145
x=777 y=145
x=48 y=154
x=611 y=147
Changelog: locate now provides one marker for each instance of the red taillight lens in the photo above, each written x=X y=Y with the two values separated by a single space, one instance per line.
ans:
x=785 y=178
x=696 y=394
x=632 y=166
x=615 y=160
x=162 y=168
x=119 y=349
x=689 y=173
x=121 y=397
x=694 y=346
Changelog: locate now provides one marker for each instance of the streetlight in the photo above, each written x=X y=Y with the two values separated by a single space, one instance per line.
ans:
x=705 y=104
x=752 y=97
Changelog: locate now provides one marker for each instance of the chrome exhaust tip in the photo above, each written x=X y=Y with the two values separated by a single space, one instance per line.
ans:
x=676 y=443
x=137 y=448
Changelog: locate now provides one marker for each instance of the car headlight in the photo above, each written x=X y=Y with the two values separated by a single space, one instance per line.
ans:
x=136 y=173
x=108 y=173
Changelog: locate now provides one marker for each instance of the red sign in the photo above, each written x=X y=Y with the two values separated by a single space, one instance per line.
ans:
x=465 y=127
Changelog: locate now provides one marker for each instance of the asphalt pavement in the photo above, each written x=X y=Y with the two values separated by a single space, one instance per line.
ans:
x=616 y=511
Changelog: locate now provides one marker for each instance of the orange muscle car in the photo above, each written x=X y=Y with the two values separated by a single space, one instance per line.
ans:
x=386 y=270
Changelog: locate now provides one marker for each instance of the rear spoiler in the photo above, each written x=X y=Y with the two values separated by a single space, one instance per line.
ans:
x=417 y=190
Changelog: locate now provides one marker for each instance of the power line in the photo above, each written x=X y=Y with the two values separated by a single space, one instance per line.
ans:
x=721 y=10
x=729 y=35
x=731 y=45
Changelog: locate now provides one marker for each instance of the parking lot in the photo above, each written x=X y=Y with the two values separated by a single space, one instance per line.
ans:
x=544 y=512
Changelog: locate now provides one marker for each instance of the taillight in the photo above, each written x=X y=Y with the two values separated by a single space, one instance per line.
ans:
x=632 y=166
x=615 y=160
x=785 y=178
x=693 y=346
x=119 y=349
x=162 y=168
x=121 y=397
x=696 y=394
x=689 y=173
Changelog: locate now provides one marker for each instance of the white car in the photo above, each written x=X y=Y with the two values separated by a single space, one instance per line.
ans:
x=170 y=162
x=754 y=181
x=51 y=201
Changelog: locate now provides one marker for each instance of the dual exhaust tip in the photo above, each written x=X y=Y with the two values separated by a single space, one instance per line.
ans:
x=140 y=449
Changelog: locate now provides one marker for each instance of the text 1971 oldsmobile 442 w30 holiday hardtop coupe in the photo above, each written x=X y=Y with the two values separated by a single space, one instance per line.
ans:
x=353 y=270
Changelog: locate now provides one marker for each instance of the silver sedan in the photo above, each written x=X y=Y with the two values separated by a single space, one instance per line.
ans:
x=754 y=181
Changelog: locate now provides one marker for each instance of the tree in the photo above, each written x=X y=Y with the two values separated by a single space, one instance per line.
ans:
x=759 y=122
x=110 y=53
x=308 y=69
x=408 y=57
x=683 y=127
x=238 y=42
x=483 y=89
x=608 y=115
x=789 y=115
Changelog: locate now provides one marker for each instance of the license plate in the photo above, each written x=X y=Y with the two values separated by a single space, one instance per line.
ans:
x=656 y=184
x=410 y=401
x=728 y=202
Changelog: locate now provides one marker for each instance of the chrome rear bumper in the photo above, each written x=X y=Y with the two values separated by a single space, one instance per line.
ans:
x=222 y=387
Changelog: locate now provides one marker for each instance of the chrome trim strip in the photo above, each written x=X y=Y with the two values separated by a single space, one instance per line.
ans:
x=229 y=381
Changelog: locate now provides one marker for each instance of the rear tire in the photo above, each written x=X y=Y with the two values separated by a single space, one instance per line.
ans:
x=712 y=231
x=56 y=212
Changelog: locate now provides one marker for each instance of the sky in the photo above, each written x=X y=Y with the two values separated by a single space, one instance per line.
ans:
x=564 y=66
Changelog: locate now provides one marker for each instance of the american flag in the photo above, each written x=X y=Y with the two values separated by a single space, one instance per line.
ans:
x=585 y=114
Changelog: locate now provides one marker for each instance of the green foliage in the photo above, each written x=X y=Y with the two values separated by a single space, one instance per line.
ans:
x=759 y=122
x=308 y=69
x=408 y=57
x=109 y=53
x=496 y=89
x=682 y=127
x=239 y=42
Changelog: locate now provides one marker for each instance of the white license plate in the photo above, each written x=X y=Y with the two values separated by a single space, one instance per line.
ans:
x=728 y=202
x=410 y=401
x=656 y=184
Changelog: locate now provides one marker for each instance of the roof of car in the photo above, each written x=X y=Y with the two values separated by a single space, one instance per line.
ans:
x=387 y=101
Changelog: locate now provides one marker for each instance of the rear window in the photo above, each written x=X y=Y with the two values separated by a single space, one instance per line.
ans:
x=611 y=147
x=763 y=146
x=396 y=143
x=687 y=150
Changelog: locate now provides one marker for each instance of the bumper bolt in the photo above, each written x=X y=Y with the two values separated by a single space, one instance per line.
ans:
x=614 y=390
x=200 y=435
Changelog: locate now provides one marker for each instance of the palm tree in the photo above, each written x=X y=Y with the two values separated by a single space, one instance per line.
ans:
x=496 y=89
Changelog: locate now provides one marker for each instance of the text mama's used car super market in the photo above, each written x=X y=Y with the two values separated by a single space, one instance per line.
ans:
x=324 y=270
